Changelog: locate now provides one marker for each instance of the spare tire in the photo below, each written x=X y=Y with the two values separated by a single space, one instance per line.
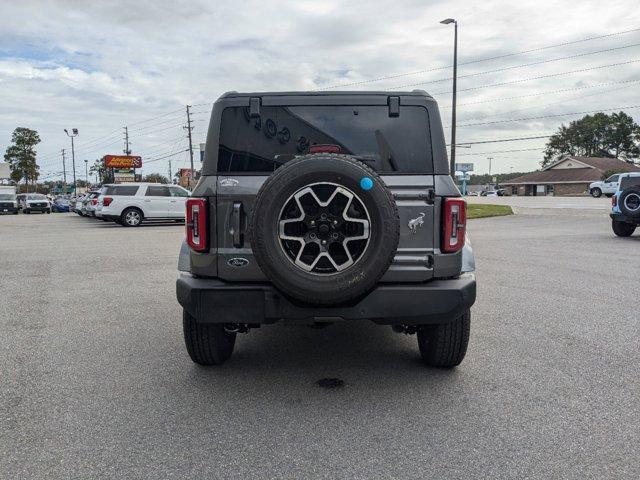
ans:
x=324 y=228
x=629 y=202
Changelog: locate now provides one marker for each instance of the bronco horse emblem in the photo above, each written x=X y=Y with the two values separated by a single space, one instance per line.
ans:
x=416 y=222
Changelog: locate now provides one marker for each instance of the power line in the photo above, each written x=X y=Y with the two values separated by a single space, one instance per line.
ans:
x=167 y=156
x=163 y=122
x=540 y=117
x=544 y=106
x=539 y=77
x=501 y=151
x=548 y=92
x=540 y=62
x=485 y=59
x=157 y=116
x=516 y=139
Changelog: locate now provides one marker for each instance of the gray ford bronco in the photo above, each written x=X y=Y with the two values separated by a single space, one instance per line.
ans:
x=314 y=208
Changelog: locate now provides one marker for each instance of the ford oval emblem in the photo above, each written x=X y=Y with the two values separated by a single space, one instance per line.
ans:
x=238 y=262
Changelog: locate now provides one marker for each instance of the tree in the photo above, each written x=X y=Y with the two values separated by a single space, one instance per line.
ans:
x=598 y=135
x=156 y=178
x=21 y=156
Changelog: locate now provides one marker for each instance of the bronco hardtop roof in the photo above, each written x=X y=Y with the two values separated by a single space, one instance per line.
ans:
x=326 y=93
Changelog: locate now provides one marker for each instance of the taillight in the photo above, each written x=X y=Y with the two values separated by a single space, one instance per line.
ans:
x=106 y=201
x=614 y=201
x=196 y=224
x=454 y=224
x=94 y=201
x=324 y=149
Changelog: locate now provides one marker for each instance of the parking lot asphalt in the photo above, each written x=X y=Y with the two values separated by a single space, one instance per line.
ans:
x=96 y=382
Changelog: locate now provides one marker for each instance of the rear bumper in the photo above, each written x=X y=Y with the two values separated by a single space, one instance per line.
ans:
x=437 y=301
x=619 y=217
x=110 y=217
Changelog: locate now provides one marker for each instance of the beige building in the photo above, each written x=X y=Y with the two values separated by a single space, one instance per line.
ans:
x=569 y=176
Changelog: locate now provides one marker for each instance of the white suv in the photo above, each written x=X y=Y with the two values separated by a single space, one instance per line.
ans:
x=130 y=203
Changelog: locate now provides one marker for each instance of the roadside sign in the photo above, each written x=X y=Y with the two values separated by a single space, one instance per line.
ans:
x=123 y=177
x=494 y=179
x=464 y=167
x=122 y=161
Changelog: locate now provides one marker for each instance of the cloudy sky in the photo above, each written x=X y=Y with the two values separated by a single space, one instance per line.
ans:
x=99 y=66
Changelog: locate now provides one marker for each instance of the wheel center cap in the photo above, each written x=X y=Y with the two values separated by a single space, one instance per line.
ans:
x=323 y=229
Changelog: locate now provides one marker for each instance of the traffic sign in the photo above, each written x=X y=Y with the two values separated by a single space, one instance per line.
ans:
x=464 y=167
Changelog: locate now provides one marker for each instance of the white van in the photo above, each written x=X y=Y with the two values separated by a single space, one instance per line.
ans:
x=8 y=199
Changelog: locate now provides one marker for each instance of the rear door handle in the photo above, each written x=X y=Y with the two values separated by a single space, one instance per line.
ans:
x=236 y=225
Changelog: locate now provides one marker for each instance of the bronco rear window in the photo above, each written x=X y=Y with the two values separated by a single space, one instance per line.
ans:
x=630 y=182
x=399 y=144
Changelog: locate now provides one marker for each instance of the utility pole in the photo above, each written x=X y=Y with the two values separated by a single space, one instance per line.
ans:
x=64 y=172
x=490 y=158
x=72 y=135
x=170 y=181
x=86 y=174
x=189 y=128
x=455 y=88
x=126 y=151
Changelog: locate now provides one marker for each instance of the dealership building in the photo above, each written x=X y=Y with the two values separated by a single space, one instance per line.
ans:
x=568 y=176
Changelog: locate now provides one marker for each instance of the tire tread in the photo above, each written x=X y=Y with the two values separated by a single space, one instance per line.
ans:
x=207 y=344
x=445 y=345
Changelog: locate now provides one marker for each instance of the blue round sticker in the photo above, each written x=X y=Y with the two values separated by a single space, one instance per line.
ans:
x=366 y=183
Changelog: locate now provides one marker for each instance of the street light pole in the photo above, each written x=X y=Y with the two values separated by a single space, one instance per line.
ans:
x=86 y=173
x=447 y=21
x=72 y=135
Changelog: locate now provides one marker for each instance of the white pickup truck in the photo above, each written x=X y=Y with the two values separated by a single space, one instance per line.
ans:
x=607 y=187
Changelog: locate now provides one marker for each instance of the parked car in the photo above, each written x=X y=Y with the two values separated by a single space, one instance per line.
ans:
x=60 y=205
x=299 y=221
x=8 y=199
x=625 y=205
x=36 y=202
x=132 y=203
x=99 y=203
x=607 y=187
x=76 y=204
x=20 y=198
x=88 y=207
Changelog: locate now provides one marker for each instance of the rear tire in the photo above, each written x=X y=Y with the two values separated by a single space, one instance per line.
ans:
x=622 y=229
x=207 y=344
x=445 y=345
x=596 y=192
x=131 y=217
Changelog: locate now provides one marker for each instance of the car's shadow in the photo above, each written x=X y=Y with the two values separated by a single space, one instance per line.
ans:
x=276 y=359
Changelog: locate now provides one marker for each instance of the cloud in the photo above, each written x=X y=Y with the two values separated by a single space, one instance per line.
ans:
x=100 y=65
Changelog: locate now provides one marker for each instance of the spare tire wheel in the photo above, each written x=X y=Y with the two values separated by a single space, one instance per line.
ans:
x=629 y=202
x=324 y=228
